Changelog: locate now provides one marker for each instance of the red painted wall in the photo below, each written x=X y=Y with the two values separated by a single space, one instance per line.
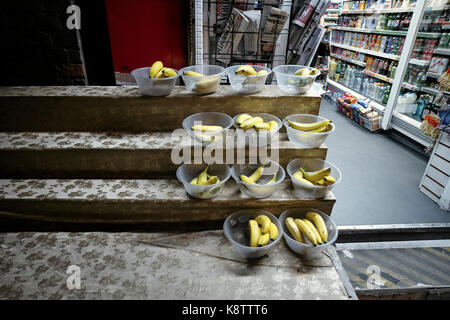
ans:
x=143 y=31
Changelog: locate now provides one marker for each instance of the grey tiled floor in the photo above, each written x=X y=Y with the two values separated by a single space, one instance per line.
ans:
x=380 y=177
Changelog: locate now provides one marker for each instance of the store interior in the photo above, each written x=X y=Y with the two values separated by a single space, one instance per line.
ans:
x=225 y=150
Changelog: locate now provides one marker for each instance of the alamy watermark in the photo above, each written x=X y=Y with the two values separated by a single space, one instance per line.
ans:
x=74 y=20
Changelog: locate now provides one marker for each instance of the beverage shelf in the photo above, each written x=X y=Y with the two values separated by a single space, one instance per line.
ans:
x=421 y=63
x=394 y=10
x=378 y=76
x=434 y=91
x=331 y=18
x=431 y=35
x=369 y=52
x=358 y=63
x=410 y=86
x=433 y=75
x=372 y=102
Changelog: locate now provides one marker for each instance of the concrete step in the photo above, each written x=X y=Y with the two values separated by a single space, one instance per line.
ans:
x=98 y=109
x=134 y=201
x=110 y=155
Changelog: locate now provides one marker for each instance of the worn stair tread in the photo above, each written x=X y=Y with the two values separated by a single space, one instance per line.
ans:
x=270 y=91
x=135 y=202
x=104 y=140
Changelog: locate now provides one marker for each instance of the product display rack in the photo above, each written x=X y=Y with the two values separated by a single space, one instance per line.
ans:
x=427 y=24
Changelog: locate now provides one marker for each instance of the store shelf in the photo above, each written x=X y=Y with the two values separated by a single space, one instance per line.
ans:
x=394 y=10
x=376 y=105
x=433 y=75
x=369 y=52
x=421 y=63
x=434 y=91
x=430 y=35
x=378 y=76
x=358 y=63
x=411 y=87
x=333 y=10
x=442 y=51
x=331 y=18
x=410 y=127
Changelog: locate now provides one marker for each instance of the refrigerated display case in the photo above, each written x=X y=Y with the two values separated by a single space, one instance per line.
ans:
x=391 y=54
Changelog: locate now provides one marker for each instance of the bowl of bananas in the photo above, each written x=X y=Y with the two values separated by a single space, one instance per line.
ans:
x=208 y=127
x=247 y=79
x=256 y=129
x=313 y=178
x=307 y=130
x=258 y=180
x=156 y=80
x=202 y=79
x=308 y=232
x=295 y=79
x=203 y=181
x=252 y=232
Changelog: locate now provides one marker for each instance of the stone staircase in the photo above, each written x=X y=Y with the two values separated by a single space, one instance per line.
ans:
x=102 y=156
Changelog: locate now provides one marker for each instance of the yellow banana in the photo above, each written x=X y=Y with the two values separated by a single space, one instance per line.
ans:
x=247 y=124
x=326 y=181
x=192 y=74
x=299 y=176
x=254 y=233
x=194 y=181
x=273 y=125
x=325 y=128
x=260 y=72
x=308 y=126
x=206 y=85
x=304 y=229
x=257 y=174
x=168 y=72
x=314 y=230
x=320 y=224
x=203 y=177
x=273 y=231
x=212 y=180
x=206 y=128
x=159 y=75
x=155 y=69
x=246 y=179
x=316 y=175
x=302 y=72
x=264 y=222
x=263 y=240
x=274 y=178
x=262 y=126
x=246 y=71
x=294 y=230
x=242 y=118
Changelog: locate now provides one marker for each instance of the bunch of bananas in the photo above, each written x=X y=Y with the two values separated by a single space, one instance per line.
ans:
x=249 y=71
x=318 y=178
x=158 y=71
x=256 y=175
x=204 y=179
x=246 y=121
x=315 y=127
x=312 y=228
x=306 y=72
x=262 y=230
x=204 y=85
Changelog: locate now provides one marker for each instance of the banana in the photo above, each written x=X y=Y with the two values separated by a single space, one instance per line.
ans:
x=203 y=177
x=273 y=125
x=206 y=128
x=155 y=69
x=273 y=231
x=242 y=118
x=192 y=74
x=308 y=126
x=194 y=181
x=262 y=126
x=260 y=72
x=257 y=174
x=320 y=224
x=168 y=72
x=304 y=229
x=314 y=230
x=254 y=233
x=246 y=179
x=159 y=75
x=206 y=85
x=326 y=181
x=247 y=124
x=264 y=222
x=274 y=178
x=294 y=230
x=246 y=71
x=316 y=175
x=325 y=128
x=212 y=180
x=302 y=72
x=263 y=240
x=299 y=176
